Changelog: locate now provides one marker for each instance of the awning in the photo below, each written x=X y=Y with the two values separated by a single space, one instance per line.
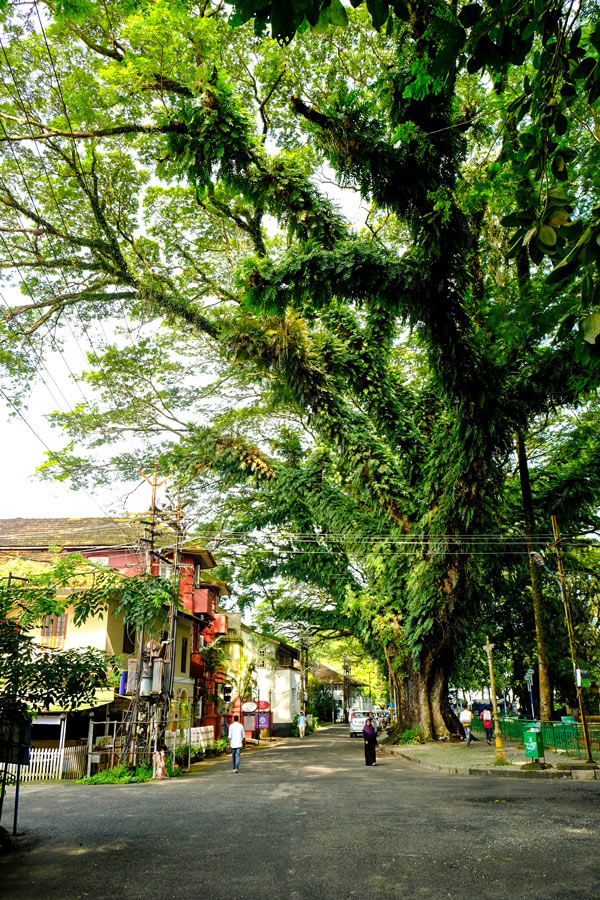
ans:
x=102 y=697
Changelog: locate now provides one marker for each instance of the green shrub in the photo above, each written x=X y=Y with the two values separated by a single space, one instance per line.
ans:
x=119 y=775
x=411 y=736
x=173 y=771
x=181 y=754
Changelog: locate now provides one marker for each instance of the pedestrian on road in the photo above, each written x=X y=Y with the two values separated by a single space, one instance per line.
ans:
x=302 y=724
x=486 y=718
x=465 y=721
x=370 y=736
x=237 y=738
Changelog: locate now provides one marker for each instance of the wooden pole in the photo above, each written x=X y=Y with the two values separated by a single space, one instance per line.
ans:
x=500 y=755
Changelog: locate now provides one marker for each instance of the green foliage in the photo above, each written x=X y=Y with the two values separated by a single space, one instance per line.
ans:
x=121 y=774
x=346 y=396
x=411 y=736
x=33 y=677
x=173 y=771
x=320 y=703
x=181 y=754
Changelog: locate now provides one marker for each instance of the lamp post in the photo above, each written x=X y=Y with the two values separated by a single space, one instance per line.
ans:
x=500 y=755
x=304 y=645
x=562 y=583
x=346 y=687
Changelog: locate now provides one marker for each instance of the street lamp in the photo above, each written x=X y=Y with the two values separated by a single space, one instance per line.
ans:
x=539 y=559
x=500 y=755
x=347 y=669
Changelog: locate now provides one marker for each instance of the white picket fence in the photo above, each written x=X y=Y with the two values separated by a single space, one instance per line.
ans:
x=201 y=736
x=52 y=764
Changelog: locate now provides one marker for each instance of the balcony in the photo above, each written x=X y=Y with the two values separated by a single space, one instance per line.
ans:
x=203 y=601
x=220 y=624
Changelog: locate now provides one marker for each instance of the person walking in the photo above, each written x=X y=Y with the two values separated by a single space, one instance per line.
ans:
x=486 y=718
x=370 y=737
x=465 y=721
x=302 y=724
x=237 y=738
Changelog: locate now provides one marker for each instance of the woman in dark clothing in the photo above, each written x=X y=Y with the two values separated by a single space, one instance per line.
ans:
x=370 y=736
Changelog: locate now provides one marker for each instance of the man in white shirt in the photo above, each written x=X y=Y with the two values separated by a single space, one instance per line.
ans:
x=465 y=721
x=237 y=738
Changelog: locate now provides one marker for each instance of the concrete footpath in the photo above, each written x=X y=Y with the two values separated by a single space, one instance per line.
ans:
x=455 y=758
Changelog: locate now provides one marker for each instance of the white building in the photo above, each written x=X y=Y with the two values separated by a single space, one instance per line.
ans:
x=263 y=668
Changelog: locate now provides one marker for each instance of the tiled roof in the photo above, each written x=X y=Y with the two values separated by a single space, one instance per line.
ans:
x=87 y=533
x=330 y=676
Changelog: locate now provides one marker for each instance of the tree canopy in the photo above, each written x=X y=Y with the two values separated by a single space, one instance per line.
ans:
x=346 y=389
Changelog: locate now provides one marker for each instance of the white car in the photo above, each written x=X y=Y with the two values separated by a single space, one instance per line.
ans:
x=357 y=721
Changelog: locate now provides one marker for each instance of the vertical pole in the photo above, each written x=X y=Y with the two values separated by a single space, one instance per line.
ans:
x=530 y=686
x=17 y=787
x=189 y=740
x=500 y=755
x=61 y=744
x=571 y=633
x=149 y=547
x=18 y=783
x=534 y=575
x=90 y=746
x=5 y=772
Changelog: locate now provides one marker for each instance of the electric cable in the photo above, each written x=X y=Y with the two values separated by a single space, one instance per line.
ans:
x=80 y=487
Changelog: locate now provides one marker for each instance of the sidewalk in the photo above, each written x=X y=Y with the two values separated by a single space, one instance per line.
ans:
x=455 y=758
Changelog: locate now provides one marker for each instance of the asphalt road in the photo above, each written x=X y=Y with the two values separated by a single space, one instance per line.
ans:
x=308 y=820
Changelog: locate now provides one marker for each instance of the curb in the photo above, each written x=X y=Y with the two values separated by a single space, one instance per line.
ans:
x=501 y=771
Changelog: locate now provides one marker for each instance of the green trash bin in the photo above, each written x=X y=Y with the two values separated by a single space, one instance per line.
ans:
x=532 y=738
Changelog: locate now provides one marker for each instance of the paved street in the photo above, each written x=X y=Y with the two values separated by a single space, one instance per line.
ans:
x=308 y=820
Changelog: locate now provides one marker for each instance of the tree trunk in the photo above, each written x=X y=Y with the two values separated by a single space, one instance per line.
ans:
x=423 y=695
x=536 y=588
x=445 y=724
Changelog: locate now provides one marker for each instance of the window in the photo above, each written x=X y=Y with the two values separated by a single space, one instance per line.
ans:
x=197 y=576
x=184 y=655
x=128 y=639
x=165 y=571
x=54 y=630
x=100 y=560
x=197 y=637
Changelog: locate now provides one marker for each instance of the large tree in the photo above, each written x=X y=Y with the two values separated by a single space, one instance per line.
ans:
x=163 y=163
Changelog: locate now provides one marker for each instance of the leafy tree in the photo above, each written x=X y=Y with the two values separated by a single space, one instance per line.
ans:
x=170 y=146
x=34 y=677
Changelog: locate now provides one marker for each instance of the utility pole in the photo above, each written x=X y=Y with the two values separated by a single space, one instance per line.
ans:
x=148 y=541
x=571 y=633
x=346 y=691
x=304 y=644
x=177 y=525
x=536 y=585
x=500 y=755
